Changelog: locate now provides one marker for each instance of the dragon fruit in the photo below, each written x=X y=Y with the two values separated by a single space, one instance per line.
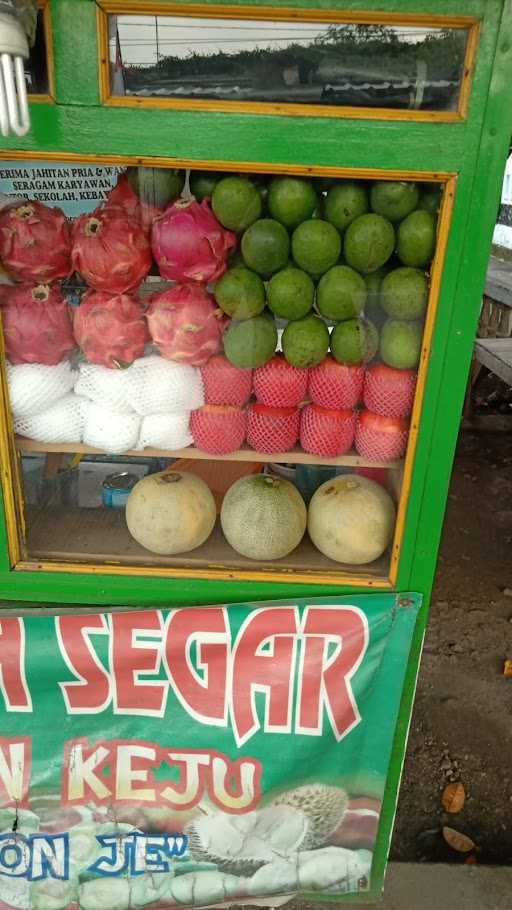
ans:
x=35 y=242
x=110 y=328
x=37 y=324
x=189 y=244
x=110 y=250
x=123 y=197
x=185 y=324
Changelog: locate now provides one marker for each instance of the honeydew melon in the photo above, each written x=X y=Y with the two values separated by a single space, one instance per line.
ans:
x=170 y=512
x=351 y=519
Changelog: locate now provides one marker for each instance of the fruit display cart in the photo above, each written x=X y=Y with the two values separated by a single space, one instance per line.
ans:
x=243 y=248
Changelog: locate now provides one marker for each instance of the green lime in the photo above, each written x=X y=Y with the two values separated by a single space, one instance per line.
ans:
x=400 y=343
x=290 y=293
x=316 y=246
x=203 y=183
x=341 y=293
x=240 y=293
x=417 y=238
x=291 y=200
x=236 y=203
x=430 y=200
x=266 y=246
x=394 y=199
x=373 y=306
x=405 y=293
x=305 y=341
x=345 y=201
x=252 y=342
x=354 y=341
x=155 y=185
x=369 y=242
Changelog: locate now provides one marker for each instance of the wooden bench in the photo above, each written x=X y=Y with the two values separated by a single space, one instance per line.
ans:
x=493 y=347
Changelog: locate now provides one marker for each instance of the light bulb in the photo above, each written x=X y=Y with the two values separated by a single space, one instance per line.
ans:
x=14 y=115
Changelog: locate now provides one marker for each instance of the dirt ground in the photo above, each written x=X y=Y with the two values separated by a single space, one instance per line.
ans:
x=462 y=722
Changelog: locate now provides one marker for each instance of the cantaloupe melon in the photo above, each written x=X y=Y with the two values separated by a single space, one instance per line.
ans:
x=170 y=512
x=351 y=519
x=263 y=517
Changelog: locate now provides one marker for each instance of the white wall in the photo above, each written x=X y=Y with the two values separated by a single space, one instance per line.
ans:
x=503 y=232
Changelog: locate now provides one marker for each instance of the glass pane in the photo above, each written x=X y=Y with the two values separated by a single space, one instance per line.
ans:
x=287 y=62
x=36 y=67
x=204 y=363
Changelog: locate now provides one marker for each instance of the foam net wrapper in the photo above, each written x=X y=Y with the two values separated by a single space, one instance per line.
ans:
x=158 y=386
x=62 y=422
x=108 y=388
x=34 y=387
x=165 y=431
x=110 y=432
x=151 y=385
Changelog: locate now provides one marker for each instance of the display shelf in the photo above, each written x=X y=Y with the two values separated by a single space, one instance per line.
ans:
x=100 y=536
x=297 y=456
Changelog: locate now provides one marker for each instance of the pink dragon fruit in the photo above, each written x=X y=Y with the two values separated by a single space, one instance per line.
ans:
x=35 y=242
x=123 y=197
x=189 y=244
x=37 y=324
x=185 y=324
x=110 y=250
x=110 y=328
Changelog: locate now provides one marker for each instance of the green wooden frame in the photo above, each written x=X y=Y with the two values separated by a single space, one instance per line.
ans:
x=474 y=149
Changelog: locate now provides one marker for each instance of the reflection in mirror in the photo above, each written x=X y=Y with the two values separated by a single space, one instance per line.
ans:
x=356 y=65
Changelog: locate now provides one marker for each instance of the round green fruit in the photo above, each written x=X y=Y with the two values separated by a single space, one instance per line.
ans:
x=430 y=200
x=263 y=517
x=250 y=343
x=354 y=341
x=373 y=308
x=316 y=246
x=291 y=200
x=203 y=183
x=240 y=293
x=369 y=242
x=155 y=185
x=341 y=293
x=236 y=203
x=290 y=293
x=400 y=343
x=394 y=199
x=404 y=293
x=417 y=239
x=345 y=202
x=266 y=247
x=305 y=342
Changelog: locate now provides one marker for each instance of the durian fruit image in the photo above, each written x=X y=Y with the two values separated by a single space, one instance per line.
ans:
x=241 y=844
x=324 y=806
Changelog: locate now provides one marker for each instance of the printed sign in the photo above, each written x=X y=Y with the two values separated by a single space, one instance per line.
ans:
x=197 y=756
x=75 y=188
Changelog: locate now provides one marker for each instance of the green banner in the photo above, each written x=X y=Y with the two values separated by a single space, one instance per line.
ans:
x=197 y=756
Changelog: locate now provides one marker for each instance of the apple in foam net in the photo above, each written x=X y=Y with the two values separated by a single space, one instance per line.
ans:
x=381 y=438
x=218 y=429
x=325 y=432
x=335 y=385
x=389 y=391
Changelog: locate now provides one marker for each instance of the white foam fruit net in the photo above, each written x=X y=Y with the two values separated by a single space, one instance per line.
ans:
x=110 y=432
x=158 y=386
x=108 y=388
x=165 y=431
x=62 y=422
x=34 y=387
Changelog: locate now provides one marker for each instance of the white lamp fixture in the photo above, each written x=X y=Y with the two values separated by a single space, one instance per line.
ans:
x=14 y=115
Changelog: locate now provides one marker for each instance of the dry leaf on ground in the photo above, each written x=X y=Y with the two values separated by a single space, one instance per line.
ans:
x=454 y=797
x=457 y=841
x=507 y=668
